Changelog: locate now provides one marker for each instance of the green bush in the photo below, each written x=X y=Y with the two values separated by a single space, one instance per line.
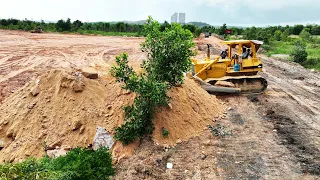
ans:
x=79 y=163
x=312 y=63
x=299 y=53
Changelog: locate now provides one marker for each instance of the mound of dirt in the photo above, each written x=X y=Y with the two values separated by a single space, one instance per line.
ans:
x=64 y=109
x=191 y=109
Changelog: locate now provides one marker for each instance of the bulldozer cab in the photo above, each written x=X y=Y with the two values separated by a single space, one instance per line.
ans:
x=244 y=48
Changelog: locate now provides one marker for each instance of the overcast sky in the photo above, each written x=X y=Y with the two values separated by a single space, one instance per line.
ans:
x=214 y=12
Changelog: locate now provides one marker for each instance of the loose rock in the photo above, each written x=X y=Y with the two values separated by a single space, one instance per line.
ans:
x=2 y=144
x=31 y=105
x=81 y=130
x=89 y=72
x=10 y=133
x=56 y=153
x=102 y=139
x=77 y=87
x=76 y=125
x=35 y=91
x=203 y=156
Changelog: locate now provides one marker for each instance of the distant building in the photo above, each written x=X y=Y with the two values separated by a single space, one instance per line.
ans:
x=182 y=18
x=174 y=18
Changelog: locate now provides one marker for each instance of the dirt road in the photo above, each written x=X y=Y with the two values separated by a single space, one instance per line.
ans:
x=275 y=135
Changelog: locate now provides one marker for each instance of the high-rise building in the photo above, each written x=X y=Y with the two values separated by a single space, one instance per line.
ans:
x=174 y=18
x=182 y=18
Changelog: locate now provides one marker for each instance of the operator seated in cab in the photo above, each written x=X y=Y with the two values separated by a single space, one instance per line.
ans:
x=246 y=53
x=224 y=54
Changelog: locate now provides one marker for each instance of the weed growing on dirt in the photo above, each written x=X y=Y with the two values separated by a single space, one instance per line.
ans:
x=79 y=163
x=165 y=132
x=168 y=57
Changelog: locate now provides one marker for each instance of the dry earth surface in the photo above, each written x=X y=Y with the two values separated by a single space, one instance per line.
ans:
x=274 y=135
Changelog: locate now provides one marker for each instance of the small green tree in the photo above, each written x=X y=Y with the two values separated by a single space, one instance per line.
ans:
x=164 y=26
x=168 y=52
x=305 y=35
x=285 y=35
x=168 y=56
x=277 y=35
x=299 y=53
x=222 y=29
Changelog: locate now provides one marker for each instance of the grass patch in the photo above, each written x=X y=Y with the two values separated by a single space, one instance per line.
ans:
x=313 y=50
x=279 y=47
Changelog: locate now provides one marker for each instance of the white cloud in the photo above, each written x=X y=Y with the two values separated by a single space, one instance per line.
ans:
x=259 y=4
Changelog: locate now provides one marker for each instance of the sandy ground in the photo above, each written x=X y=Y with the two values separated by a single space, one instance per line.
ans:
x=275 y=135
x=25 y=55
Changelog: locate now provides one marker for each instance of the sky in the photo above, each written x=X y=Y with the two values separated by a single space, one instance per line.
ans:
x=214 y=12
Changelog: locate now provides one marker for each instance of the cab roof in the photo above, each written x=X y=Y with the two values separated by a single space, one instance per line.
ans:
x=235 y=42
x=246 y=43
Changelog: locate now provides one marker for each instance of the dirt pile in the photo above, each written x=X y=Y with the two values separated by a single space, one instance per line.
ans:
x=191 y=109
x=64 y=109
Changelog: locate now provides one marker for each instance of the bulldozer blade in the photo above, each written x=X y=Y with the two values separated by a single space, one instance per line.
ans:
x=216 y=89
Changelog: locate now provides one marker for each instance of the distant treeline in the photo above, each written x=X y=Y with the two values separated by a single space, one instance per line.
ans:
x=68 y=26
x=264 y=34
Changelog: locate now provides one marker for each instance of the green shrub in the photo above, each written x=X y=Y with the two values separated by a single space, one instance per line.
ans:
x=312 y=63
x=168 y=57
x=150 y=94
x=299 y=53
x=79 y=163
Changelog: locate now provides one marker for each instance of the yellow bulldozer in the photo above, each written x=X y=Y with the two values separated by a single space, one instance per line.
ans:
x=38 y=29
x=234 y=72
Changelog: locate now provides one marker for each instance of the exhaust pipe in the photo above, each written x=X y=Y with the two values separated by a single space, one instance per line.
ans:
x=208 y=51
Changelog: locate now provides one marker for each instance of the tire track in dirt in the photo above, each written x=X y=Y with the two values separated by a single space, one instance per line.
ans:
x=37 y=61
